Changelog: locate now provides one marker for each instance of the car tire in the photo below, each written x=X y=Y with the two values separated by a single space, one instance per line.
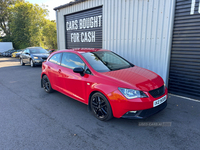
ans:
x=100 y=107
x=32 y=63
x=21 y=62
x=46 y=84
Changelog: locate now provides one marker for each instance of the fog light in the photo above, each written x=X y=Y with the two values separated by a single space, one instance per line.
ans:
x=133 y=112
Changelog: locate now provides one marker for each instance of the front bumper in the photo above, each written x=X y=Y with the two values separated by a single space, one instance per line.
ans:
x=144 y=107
x=142 y=114
x=38 y=61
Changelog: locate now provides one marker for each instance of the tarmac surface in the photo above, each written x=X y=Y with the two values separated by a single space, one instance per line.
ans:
x=30 y=118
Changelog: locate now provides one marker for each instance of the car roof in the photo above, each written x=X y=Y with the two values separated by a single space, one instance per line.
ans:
x=34 y=47
x=83 y=50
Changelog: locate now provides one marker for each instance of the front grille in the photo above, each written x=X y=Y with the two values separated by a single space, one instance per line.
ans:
x=157 y=92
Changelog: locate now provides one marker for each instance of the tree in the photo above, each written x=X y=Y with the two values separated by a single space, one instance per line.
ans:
x=26 y=21
x=4 y=15
x=50 y=34
x=25 y=25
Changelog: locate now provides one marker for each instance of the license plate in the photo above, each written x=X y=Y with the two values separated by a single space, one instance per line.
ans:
x=160 y=101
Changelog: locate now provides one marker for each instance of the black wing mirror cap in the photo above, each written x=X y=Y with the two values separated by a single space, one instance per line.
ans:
x=79 y=70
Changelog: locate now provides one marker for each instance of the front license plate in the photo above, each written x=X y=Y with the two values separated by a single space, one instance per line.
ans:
x=160 y=101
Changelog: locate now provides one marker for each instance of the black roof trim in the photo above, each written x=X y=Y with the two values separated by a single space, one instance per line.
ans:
x=69 y=4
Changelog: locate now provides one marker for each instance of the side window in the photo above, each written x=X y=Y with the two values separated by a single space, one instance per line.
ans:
x=56 y=58
x=72 y=61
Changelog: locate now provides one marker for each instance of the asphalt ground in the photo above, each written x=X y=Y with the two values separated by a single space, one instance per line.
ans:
x=30 y=118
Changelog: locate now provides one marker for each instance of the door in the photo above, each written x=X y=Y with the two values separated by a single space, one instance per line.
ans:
x=73 y=84
x=23 y=55
x=26 y=56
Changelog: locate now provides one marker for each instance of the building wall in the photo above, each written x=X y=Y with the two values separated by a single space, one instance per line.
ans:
x=139 y=30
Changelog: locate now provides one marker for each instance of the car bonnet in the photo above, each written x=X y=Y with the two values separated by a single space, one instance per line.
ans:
x=136 y=77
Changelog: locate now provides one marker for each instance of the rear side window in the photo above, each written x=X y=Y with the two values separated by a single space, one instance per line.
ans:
x=72 y=61
x=56 y=58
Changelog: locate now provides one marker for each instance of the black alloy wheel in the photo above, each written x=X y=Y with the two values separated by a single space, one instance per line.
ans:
x=46 y=84
x=101 y=107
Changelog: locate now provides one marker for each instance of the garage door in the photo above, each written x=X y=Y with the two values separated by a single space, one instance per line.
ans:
x=184 y=75
x=84 y=29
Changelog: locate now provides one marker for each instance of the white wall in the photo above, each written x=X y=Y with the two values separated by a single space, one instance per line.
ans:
x=139 y=30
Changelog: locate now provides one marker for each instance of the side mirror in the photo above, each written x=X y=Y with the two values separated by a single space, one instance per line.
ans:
x=79 y=70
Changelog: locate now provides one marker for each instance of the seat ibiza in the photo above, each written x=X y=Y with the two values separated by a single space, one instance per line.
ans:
x=110 y=85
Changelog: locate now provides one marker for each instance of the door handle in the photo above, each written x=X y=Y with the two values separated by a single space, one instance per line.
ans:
x=49 y=67
x=59 y=71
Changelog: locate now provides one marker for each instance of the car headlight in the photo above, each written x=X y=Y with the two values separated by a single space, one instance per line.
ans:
x=36 y=57
x=130 y=93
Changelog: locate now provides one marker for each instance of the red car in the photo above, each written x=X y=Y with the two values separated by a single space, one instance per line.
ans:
x=110 y=85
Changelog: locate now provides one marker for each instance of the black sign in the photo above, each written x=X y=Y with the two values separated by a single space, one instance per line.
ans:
x=84 y=29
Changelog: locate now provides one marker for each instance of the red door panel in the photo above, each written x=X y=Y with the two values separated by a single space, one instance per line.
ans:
x=73 y=84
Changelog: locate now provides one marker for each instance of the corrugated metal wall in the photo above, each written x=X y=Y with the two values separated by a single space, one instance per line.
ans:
x=184 y=77
x=139 y=30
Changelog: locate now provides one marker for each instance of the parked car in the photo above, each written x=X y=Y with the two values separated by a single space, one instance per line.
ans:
x=33 y=56
x=14 y=54
x=9 y=52
x=106 y=82
x=18 y=54
x=5 y=53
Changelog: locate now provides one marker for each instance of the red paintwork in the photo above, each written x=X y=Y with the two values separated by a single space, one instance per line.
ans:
x=80 y=87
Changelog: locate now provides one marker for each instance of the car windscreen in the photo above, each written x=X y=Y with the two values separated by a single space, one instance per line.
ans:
x=38 y=51
x=104 y=61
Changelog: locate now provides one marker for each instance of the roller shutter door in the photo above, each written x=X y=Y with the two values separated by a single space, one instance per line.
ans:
x=84 y=29
x=184 y=74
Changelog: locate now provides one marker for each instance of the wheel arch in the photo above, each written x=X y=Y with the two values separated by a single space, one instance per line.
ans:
x=93 y=92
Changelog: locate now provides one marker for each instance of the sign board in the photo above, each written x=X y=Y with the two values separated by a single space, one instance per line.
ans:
x=84 y=29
